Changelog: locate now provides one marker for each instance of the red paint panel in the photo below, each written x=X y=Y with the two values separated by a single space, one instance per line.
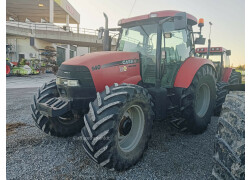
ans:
x=129 y=73
x=166 y=13
x=136 y=18
x=226 y=74
x=188 y=70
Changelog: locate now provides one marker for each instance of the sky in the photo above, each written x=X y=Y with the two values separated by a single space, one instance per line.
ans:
x=227 y=16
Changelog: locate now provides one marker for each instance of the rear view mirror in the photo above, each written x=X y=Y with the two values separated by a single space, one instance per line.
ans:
x=168 y=35
x=200 y=40
x=100 y=32
x=180 y=21
x=228 y=52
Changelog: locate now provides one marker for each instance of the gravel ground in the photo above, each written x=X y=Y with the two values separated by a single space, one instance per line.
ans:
x=31 y=154
x=28 y=81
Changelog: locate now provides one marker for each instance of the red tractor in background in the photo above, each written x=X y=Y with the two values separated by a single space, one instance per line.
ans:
x=113 y=97
x=225 y=74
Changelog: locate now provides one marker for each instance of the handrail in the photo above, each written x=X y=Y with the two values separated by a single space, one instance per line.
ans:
x=53 y=27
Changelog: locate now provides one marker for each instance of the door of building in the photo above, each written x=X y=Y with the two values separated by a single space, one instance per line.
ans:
x=60 y=55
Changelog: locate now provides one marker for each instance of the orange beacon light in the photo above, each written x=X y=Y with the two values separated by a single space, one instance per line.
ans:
x=201 y=22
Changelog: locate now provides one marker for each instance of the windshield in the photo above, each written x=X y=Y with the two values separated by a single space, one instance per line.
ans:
x=139 y=38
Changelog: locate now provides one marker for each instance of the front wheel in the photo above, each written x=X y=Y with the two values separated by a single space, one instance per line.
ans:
x=118 y=126
x=62 y=126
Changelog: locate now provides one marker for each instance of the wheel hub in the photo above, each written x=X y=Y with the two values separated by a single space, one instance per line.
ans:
x=131 y=128
x=125 y=126
x=202 y=100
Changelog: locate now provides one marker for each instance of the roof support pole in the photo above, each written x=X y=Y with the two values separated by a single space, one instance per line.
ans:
x=78 y=27
x=51 y=11
x=67 y=52
x=67 y=20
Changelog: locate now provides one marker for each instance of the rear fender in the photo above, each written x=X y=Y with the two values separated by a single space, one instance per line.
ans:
x=226 y=74
x=188 y=70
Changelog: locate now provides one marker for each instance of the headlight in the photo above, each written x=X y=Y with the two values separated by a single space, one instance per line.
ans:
x=58 y=81
x=73 y=83
x=66 y=82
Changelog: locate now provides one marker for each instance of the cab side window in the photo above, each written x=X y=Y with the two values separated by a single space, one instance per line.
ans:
x=177 y=47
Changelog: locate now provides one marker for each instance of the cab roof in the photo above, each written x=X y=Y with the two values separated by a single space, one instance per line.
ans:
x=158 y=14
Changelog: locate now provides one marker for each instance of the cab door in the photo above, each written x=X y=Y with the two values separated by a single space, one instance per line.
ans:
x=175 y=50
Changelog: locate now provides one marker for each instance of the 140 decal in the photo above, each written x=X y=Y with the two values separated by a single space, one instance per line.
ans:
x=96 y=67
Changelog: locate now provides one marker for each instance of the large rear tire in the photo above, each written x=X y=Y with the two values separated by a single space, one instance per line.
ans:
x=118 y=126
x=197 y=102
x=229 y=149
x=62 y=126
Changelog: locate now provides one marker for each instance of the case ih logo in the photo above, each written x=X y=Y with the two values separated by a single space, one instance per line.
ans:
x=116 y=63
x=123 y=69
x=130 y=61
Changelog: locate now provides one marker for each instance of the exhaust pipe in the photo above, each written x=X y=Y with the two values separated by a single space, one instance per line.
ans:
x=106 y=38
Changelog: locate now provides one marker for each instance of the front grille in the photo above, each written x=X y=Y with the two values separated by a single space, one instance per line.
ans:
x=86 y=90
x=80 y=73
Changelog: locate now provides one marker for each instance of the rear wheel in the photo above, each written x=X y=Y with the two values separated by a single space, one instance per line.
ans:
x=229 y=148
x=62 y=126
x=197 y=102
x=118 y=126
x=221 y=92
x=235 y=78
x=8 y=69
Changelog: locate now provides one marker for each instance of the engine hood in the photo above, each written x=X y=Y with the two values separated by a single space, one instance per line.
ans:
x=103 y=58
x=109 y=67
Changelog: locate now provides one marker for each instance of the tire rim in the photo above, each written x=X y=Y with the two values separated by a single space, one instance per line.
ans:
x=131 y=128
x=7 y=69
x=202 y=100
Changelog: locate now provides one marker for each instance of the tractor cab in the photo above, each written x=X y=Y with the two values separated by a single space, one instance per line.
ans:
x=163 y=39
x=166 y=35
x=218 y=55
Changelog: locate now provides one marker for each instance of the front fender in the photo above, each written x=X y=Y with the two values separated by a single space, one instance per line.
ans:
x=188 y=70
x=132 y=80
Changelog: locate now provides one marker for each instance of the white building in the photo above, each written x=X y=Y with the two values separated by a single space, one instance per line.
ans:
x=30 y=27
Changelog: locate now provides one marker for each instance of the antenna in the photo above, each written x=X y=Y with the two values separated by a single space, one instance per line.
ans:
x=132 y=9
x=210 y=29
x=209 y=41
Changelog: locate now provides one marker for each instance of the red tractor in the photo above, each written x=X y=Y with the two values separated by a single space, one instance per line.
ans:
x=113 y=97
x=225 y=75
